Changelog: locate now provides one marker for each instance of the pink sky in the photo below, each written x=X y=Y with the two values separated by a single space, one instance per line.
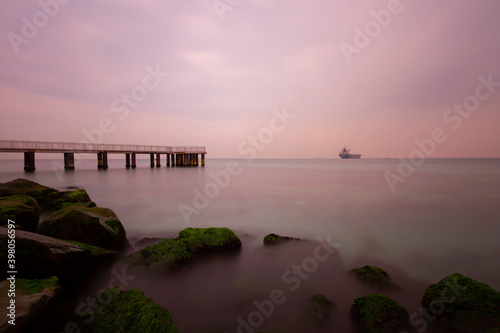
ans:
x=225 y=77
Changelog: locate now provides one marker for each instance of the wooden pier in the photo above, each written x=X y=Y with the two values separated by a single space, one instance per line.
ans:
x=178 y=156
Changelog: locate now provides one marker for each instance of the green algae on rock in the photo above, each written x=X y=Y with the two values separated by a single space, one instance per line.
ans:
x=378 y=313
x=130 y=311
x=64 y=199
x=22 y=209
x=48 y=198
x=274 y=239
x=39 y=192
x=463 y=304
x=374 y=276
x=35 y=286
x=35 y=303
x=189 y=244
x=95 y=226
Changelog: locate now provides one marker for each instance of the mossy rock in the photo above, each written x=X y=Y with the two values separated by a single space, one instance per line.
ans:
x=41 y=257
x=130 y=311
x=189 y=244
x=40 y=193
x=65 y=199
x=22 y=209
x=206 y=240
x=374 y=276
x=320 y=306
x=36 y=301
x=463 y=304
x=95 y=226
x=48 y=198
x=36 y=286
x=378 y=313
x=274 y=239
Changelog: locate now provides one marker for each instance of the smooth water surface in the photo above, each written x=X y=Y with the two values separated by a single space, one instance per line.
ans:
x=444 y=218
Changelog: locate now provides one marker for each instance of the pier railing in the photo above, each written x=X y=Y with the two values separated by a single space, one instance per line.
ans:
x=58 y=147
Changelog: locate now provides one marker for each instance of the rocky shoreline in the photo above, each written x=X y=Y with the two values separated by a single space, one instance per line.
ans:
x=78 y=240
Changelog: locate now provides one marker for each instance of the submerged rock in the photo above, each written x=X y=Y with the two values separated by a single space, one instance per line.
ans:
x=377 y=313
x=320 y=306
x=130 y=311
x=274 y=239
x=35 y=301
x=374 y=276
x=189 y=244
x=147 y=241
x=96 y=226
x=463 y=304
x=40 y=257
x=22 y=209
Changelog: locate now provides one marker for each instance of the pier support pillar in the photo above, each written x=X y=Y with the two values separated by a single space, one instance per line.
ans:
x=168 y=160
x=152 y=160
x=195 y=159
x=202 y=160
x=29 y=161
x=192 y=160
x=102 y=160
x=127 y=160
x=69 y=161
x=186 y=159
x=134 y=165
x=173 y=159
x=158 y=160
x=99 y=160
x=179 y=160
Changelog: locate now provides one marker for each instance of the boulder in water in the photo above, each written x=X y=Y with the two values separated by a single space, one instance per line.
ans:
x=95 y=226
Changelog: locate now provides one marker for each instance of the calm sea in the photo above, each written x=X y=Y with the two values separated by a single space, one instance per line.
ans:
x=444 y=218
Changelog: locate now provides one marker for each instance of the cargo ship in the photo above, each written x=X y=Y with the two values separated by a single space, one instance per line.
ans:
x=345 y=153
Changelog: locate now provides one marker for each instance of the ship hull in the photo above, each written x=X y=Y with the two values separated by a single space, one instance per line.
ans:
x=350 y=156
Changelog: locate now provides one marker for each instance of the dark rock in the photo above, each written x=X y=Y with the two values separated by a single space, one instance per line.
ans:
x=130 y=311
x=35 y=302
x=463 y=304
x=377 y=313
x=273 y=239
x=95 y=226
x=22 y=209
x=189 y=244
x=374 y=276
x=320 y=306
x=41 y=257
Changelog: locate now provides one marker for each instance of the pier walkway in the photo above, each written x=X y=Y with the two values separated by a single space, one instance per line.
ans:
x=175 y=156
